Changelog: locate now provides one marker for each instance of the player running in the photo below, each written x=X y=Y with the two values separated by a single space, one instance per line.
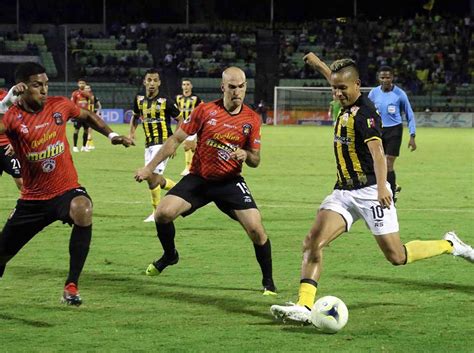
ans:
x=228 y=135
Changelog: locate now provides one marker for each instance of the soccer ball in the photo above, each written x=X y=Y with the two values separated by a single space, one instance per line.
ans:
x=329 y=314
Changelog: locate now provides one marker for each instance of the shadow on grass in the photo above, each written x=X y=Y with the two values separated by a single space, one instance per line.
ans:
x=33 y=323
x=416 y=284
x=157 y=288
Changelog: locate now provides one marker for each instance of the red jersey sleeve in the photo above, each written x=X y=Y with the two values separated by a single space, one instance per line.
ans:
x=194 y=122
x=255 y=134
x=72 y=109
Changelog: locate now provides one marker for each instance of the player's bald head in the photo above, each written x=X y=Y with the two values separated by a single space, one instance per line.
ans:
x=233 y=73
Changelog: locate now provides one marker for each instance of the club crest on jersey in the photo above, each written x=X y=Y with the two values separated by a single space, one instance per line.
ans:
x=344 y=119
x=48 y=165
x=246 y=128
x=19 y=116
x=58 y=118
x=24 y=129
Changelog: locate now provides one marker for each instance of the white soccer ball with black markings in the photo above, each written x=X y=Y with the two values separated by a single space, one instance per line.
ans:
x=329 y=314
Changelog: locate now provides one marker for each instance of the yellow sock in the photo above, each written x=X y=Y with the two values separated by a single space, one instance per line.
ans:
x=155 y=196
x=306 y=295
x=419 y=250
x=188 y=158
x=169 y=184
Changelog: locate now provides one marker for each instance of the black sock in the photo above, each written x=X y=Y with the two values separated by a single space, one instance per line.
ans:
x=2 y=270
x=166 y=233
x=78 y=249
x=84 y=139
x=263 y=253
x=392 y=179
x=75 y=136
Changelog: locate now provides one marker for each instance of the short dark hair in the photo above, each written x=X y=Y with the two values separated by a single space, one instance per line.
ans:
x=342 y=64
x=25 y=70
x=385 y=68
x=151 y=71
x=81 y=79
x=186 y=79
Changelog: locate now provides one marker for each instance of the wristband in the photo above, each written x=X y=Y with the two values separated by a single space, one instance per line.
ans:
x=112 y=135
x=413 y=135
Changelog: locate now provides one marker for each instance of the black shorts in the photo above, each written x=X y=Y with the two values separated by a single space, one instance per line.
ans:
x=392 y=139
x=228 y=195
x=9 y=164
x=29 y=217
x=80 y=123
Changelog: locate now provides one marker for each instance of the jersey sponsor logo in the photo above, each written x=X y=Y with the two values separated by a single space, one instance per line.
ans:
x=24 y=128
x=40 y=126
x=246 y=129
x=212 y=122
x=226 y=136
x=343 y=139
x=48 y=165
x=46 y=137
x=51 y=151
x=221 y=145
x=355 y=109
x=58 y=118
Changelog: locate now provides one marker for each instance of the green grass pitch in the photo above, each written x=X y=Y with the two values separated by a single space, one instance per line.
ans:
x=211 y=301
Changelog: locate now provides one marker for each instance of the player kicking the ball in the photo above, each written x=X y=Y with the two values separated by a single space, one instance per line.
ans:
x=361 y=191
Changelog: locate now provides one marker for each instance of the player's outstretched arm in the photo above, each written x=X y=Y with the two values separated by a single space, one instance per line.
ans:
x=317 y=64
x=99 y=125
x=167 y=150
x=133 y=126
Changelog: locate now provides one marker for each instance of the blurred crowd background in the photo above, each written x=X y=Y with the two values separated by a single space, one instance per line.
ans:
x=111 y=44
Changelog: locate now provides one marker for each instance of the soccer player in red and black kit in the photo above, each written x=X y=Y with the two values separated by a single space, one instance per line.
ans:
x=80 y=97
x=36 y=127
x=228 y=134
x=8 y=161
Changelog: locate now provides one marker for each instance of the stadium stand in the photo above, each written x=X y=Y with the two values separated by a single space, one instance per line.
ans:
x=431 y=56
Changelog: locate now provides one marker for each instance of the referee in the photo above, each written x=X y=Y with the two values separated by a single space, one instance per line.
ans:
x=391 y=101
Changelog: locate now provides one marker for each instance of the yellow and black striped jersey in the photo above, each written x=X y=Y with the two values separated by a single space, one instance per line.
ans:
x=92 y=103
x=156 y=114
x=355 y=126
x=186 y=104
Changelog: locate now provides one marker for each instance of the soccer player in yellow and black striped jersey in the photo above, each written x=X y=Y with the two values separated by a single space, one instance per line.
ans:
x=361 y=191
x=186 y=103
x=155 y=113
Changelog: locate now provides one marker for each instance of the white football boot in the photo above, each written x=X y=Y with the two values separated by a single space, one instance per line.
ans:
x=459 y=248
x=292 y=312
x=150 y=218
